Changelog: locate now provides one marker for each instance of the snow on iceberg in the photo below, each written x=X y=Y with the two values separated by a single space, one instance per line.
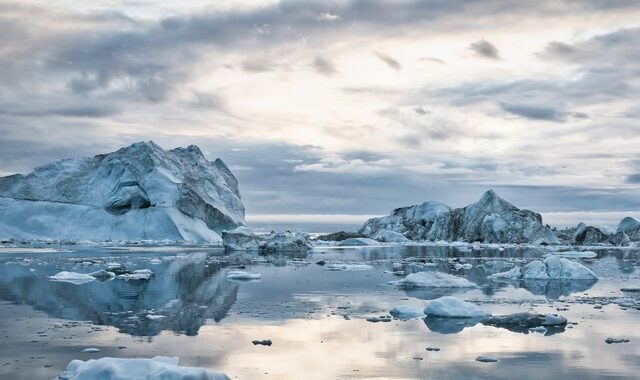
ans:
x=453 y=307
x=138 y=192
x=157 y=368
x=433 y=280
x=72 y=277
x=239 y=275
x=552 y=268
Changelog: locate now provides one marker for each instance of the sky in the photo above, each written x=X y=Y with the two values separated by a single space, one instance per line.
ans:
x=347 y=108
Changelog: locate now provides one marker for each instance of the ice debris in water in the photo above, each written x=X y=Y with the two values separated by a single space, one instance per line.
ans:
x=433 y=280
x=454 y=307
x=405 y=312
x=157 y=368
x=616 y=340
x=91 y=350
x=486 y=359
x=138 y=274
x=347 y=267
x=358 y=242
x=239 y=275
x=72 y=277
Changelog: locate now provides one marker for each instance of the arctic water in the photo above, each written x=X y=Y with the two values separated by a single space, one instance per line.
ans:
x=316 y=318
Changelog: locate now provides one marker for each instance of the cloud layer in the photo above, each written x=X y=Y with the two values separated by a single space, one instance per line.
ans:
x=345 y=106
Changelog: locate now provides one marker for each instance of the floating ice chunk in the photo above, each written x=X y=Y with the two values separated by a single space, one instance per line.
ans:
x=486 y=359
x=358 y=242
x=466 y=266
x=525 y=320
x=552 y=268
x=91 y=350
x=347 y=267
x=138 y=274
x=616 y=340
x=574 y=254
x=102 y=274
x=155 y=317
x=454 y=307
x=157 y=368
x=391 y=237
x=433 y=280
x=72 y=277
x=239 y=275
x=406 y=312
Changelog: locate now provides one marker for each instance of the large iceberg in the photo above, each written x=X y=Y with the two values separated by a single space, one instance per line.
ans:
x=138 y=192
x=490 y=220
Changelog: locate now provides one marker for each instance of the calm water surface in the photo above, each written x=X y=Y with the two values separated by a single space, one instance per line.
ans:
x=316 y=318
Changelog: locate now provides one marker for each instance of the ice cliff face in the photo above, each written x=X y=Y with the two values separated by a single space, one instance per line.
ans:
x=138 y=192
x=490 y=220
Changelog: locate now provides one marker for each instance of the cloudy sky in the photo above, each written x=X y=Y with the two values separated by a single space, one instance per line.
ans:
x=348 y=107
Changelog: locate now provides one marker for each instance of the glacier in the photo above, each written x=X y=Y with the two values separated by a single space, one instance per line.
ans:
x=137 y=192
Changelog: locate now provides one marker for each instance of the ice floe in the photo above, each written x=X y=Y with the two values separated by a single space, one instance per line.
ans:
x=453 y=307
x=406 y=312
x=157 y=368
x=72 y=277
x=239 y=275
x=433 y=280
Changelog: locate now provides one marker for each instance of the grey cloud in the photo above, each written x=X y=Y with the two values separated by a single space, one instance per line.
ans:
x=536 y=112
x=324 y=66
x=485 y=49
x=389 y=60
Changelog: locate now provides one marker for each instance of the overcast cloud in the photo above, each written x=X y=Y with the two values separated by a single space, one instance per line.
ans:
x=339 y=107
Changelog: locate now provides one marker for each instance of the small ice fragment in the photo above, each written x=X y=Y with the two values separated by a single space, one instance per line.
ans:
x=486 y=359
x=239 y=275
x=616 y=340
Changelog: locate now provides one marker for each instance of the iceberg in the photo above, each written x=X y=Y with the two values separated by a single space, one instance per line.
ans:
x=138 y=192
x=358 y=242
x=433 y=280
x=490 y=220
x=453 y=307
x=243 y=239
x=156 y=368
x=552 y=268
